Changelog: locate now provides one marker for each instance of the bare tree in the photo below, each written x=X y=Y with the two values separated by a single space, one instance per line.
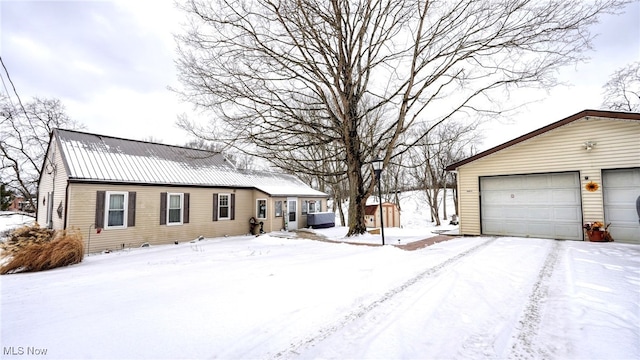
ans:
x=429 y=158
x=238 y=159
x=622 y=91
x=367 y=70
x=24 y=139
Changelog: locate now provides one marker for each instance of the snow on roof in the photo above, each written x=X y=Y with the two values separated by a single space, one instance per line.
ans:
x=91 y=157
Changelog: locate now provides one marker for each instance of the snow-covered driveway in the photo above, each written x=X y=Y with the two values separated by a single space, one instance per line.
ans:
x=267 y=297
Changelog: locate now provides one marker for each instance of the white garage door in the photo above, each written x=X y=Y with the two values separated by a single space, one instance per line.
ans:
x=540 y=205
x=621 y=189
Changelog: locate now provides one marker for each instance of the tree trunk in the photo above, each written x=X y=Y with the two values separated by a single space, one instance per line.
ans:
x=357 y=200
x=337 y=204
x=434 y=206
x=343 y=221
x=444 y=199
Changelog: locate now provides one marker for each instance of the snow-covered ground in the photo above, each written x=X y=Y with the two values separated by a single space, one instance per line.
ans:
x=282 y=297
x=268 y=297
x=415 y=219
x=10 y=220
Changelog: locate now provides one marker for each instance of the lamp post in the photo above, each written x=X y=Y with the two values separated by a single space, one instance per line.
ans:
x=377 y=169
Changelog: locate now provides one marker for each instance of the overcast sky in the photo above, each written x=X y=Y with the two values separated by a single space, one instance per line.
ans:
x=110 y=64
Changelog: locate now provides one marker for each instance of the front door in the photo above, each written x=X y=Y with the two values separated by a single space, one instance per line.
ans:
x=292 y=213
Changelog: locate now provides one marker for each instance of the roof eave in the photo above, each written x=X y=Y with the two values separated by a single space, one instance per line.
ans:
x=213 y=186
x=542 y=130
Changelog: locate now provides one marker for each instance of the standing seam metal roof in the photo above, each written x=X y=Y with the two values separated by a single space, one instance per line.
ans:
x=93 y=157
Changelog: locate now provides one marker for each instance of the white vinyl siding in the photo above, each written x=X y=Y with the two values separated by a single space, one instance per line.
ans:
x=53 y=180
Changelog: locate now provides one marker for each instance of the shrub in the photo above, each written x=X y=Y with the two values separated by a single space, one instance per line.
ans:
x=32 y=248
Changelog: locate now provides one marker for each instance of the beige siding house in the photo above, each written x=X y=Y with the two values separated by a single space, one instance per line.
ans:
x=123 y=193
x=549 y=182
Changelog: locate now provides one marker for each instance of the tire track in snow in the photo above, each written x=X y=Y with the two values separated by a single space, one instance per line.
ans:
x=325 y=332
x=523 y=341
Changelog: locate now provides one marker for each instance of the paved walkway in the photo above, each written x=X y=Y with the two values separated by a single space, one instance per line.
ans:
x=410 y=247
x=426 y=242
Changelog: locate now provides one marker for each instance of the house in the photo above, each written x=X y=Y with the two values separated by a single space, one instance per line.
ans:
x=19 y=203
x=391 y=215
x=124 y=193
x=551 y=181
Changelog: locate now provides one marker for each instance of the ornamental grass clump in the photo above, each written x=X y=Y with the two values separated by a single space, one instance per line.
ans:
x=32 y=248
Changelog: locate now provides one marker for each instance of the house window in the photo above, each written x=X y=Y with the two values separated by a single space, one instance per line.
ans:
x=116 y=209
x=278 y=206
x=261 y=208
x=223 y=206
x=312 y=207
x=305 y=207
x=174 y=210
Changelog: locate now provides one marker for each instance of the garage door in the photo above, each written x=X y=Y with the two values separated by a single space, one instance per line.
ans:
x=621 y=189
x=540 y=205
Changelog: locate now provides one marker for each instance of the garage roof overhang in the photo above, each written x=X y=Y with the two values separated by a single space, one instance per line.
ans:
x=542 y=130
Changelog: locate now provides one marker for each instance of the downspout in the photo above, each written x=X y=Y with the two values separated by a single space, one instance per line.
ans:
x=53 y=188
x=66 y=205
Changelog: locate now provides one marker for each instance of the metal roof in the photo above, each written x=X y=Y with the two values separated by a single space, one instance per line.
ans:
x=98 y=158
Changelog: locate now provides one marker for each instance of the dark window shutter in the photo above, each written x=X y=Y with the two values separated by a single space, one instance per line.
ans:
x=233 y=207
x=215 y=207
x=163 y=208
x=185 y=210
x=131 y=210
x=99 y=221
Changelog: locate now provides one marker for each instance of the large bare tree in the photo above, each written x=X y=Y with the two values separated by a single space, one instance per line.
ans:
x=24 y=137
x=280 y=75
x=622 y=91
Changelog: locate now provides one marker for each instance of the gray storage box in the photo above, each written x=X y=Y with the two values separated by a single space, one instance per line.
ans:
x=321 y=220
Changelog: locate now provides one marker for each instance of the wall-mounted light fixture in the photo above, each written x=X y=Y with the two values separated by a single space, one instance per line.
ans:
x=588 y=145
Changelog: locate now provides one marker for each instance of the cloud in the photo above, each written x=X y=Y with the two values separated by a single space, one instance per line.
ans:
x=110 y=62
x=73 y=49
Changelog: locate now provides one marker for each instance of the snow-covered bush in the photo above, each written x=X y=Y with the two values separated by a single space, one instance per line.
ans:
x=32 y=248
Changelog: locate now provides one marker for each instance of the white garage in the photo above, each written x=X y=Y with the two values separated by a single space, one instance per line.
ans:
x=621 y=191
x=539 y=205
x=552 y=181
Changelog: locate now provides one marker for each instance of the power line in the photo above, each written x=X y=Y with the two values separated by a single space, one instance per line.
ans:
x=13 y=87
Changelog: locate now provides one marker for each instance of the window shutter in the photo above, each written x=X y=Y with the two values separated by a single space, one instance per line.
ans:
x=99 y=220
x=131 y=210
x=163 y=208
x=185 y=210
x=233 y=207
x=215 y=207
